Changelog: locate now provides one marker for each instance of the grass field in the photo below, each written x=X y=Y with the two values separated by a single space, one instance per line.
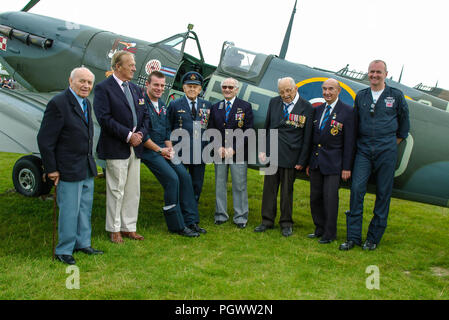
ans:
x=226 y=263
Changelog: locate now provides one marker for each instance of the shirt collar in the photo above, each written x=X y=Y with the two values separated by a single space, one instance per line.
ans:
x=333 y=104
x=78 y=98
x=120 y=82
x=190 y=102
x=232 y=101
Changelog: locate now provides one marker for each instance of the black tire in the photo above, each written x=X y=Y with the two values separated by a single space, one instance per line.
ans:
x=27 y=177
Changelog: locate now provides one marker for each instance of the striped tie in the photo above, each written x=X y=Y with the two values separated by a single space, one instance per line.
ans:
x=326 y=117
x=286 y=106
x=85 y=110
x=228 y=109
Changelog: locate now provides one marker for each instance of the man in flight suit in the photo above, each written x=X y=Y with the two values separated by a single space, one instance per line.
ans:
x=383 y=122
x=180 y=208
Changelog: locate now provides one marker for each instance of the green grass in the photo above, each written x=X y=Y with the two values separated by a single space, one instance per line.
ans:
x=226 y=263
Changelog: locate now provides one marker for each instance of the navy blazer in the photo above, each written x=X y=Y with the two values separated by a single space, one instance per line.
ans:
x=240 y=117
x=180 y=117
x=116 y=121
x=65 y=138
x=293 y=140
x=334 y=146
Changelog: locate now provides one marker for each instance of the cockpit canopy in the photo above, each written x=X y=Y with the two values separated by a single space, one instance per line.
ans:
x=243 y=63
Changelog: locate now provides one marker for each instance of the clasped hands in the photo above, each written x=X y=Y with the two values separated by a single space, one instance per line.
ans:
x=226 y=152
x=136 y=139
x=168 y=153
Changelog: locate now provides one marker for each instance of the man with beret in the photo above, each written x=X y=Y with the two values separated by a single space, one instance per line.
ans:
x=191 y=113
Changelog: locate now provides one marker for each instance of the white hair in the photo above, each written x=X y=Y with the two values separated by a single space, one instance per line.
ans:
x=289 y=79
x=236 y=83
x=74 y=72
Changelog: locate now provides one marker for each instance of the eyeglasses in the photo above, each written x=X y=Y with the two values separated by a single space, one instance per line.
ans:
x=371 y=109
x=228 y=87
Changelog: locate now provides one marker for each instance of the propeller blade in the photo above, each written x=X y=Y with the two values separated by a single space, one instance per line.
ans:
x=29 y=5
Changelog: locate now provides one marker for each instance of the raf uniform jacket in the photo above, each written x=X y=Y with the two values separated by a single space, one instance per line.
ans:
x=180 y=117
x=116 y=121
x=333 y=147
x=294 y=139
x=158 y=127
x=65 y=138
x=240 y=117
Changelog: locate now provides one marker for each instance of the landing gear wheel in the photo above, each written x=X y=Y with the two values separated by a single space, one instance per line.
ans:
x=27 y=177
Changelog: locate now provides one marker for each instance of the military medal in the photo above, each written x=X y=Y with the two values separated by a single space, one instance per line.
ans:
x=334 y=131
x=239 y=117
x=204 y=117
x=302 y=121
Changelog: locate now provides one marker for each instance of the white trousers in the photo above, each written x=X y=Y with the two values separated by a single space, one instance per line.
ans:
x=122 y=193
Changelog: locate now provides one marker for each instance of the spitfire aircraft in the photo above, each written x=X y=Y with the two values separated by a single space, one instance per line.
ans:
x=39 y=52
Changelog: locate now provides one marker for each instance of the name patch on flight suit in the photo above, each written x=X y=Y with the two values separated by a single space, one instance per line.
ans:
x=389 y=102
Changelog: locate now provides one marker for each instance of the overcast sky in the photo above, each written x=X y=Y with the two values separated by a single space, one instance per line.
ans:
x=326 y=33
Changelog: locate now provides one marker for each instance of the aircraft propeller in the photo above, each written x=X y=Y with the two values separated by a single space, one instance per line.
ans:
x=29 y=5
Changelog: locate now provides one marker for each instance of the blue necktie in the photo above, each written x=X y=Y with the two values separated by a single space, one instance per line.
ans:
x=326 y=117
x=85 y=110
x=228 y=109
x=286 y=106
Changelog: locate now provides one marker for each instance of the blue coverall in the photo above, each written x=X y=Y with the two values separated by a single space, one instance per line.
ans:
x=175 y=179
x=378 y=129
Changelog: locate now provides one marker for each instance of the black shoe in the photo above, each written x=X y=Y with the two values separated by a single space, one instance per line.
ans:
x=186 y=232
x=195 y=227
x=348 y=245
x=287 y=231
x=89 y=250
x=313 y=235
x=218 y=222
x=241 y=225
x=369 y=245
x=325 y=241
x=262 y=227
x=68 y=259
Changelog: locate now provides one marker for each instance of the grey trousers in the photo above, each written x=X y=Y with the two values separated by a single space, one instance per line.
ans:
x=239 y=192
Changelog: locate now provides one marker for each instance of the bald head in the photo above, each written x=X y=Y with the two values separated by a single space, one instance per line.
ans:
x=331 y=90
x=81 y=81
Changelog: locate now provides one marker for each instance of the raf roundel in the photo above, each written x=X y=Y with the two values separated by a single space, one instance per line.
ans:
x=153 y=65
x=310 y=89
x=3 y=43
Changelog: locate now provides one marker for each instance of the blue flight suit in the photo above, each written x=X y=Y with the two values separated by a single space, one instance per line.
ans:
x=376 y=153
x=180 y=117
x=174 y=179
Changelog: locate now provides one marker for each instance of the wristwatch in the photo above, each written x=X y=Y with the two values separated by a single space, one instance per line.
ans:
x=159 y=151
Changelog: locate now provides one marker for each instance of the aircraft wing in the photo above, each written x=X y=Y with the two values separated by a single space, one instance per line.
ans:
x=21 y=114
